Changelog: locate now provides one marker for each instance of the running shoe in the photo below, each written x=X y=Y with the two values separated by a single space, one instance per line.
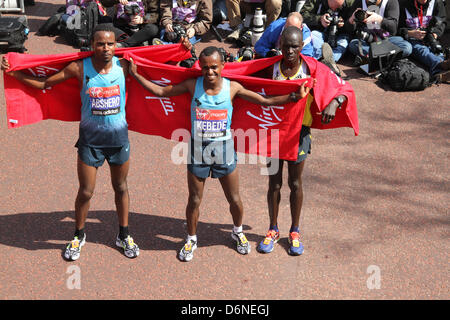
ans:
x=130 y=249
x=73 y=249
x=242 y=244
x=187 y=252
x=272 y=237
x=296 y=247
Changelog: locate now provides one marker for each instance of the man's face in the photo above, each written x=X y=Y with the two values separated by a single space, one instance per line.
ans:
x=291 y=46
x=104 y=45
x=211 y=67
x=422 y=1
x=335 y=4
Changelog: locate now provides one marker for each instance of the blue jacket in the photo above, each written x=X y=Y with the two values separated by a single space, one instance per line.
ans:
x=270 y=37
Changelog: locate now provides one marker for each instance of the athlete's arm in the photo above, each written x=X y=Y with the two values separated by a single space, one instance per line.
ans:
x=160 y=91
x=73 y=69
x=239 y=90
x=329 y=112
x=125 y=66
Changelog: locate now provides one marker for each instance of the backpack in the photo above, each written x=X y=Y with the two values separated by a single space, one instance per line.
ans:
x=405 y=75
x=13 y=33
x=52 y=26
x=79 y=27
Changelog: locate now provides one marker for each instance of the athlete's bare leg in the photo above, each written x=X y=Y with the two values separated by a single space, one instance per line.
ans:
x=119 y=175
x=296 y=196
x=230 y=186
x=274 y=192
x=86 y=177
x=196 y=186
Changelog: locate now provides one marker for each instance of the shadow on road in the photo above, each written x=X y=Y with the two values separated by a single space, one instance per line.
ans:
x=51 y=230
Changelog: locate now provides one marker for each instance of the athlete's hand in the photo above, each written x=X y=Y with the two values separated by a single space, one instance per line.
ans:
x=330 y=111
x=132 y=68
x=304 y=91
x=186 y=43
x=6 y=66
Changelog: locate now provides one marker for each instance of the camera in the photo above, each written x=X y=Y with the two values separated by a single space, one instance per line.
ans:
x=246 y=53
x=227 y=57
x=429 y=39
x=333 y=28
x=273 y=53
x=362 y=32
x=245 y=40
x=131 y=9
x=178 y=33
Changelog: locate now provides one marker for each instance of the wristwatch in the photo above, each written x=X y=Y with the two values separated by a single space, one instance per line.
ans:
x=340 y=100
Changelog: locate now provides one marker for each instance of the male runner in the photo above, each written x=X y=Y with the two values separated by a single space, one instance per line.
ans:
x=293 y=66
x=103 y=132
x=211 y=147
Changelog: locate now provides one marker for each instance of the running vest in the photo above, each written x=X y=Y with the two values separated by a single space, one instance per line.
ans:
x=211 y=115
x=103 y=122
x=302 y=73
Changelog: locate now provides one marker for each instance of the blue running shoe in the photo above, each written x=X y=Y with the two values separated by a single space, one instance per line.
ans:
x=296 y=247
x=272 y=237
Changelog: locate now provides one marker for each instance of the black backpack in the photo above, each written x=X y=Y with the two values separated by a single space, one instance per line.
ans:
x=52 y=26
x=78 y=30
x=13 y=33
x=405 y=75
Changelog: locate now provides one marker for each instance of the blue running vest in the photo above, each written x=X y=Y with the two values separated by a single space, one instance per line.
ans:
x=211 y=115
x=103 y=122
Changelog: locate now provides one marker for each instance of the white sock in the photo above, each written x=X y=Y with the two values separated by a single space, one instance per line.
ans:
x=193 y=238
x=237 y=229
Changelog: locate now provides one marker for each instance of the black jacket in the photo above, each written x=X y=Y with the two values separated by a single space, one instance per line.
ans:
x=438 y=11
x=311 y=14
x=390 y=17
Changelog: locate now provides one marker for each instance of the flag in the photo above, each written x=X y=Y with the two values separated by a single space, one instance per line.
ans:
x=267 y=131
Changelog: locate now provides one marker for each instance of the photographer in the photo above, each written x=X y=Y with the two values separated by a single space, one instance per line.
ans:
x=237 y=10
x=327 y=20
x=374 y=20
x=190 y=17
x=269 y=43
x=422 y=23
x=139 y=20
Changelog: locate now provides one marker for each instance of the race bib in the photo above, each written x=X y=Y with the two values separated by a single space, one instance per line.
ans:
x=104 y=101
x=211 y=123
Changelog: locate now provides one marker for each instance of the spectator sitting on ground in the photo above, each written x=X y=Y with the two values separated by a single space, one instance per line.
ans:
x=270 y=39
x=381 y=22
x=317 y=15
x=139 y=20
x=194 y=17
x=416 y=16
x=237 y=9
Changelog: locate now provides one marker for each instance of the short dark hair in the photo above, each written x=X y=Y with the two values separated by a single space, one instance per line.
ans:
x=291 y=30
x=209 y=51
x=107 y=27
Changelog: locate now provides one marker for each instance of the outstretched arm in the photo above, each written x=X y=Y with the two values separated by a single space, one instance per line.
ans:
x=74 y=69
x=160 y=91
x=239 y=90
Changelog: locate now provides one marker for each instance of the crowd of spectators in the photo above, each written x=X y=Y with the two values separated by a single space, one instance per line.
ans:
x=330 y=27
